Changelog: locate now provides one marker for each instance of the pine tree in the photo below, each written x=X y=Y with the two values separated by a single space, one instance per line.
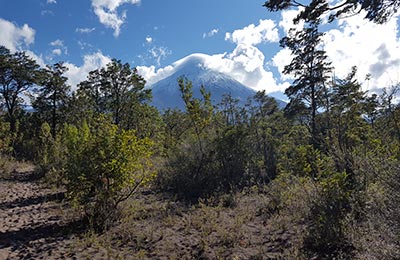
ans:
x=310 y=69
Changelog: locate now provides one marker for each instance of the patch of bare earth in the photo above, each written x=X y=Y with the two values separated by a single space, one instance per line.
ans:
x=32 y=225
x=159 y=228
x=35 y=224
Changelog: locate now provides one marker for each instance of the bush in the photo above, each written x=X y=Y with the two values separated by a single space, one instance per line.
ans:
x=5 y=138
x=104 y=167
x=221 y=166
x=188 y=175
x=327 y=234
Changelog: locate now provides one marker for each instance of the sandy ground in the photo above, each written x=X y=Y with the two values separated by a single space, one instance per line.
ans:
x=35 y=223
x=31 y=222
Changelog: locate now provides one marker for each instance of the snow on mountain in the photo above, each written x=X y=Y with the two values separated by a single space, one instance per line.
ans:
x=166 y=92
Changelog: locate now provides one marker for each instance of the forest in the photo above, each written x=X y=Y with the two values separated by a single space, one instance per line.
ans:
x=323 y=173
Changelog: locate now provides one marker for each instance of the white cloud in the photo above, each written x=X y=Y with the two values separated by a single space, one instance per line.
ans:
x=210 y=33
x=266 y=31
x=57 y=42
x=152 y=75
x=286 y=22
x=38 y=59
x=84 y=30
x=15 y=38
x=354 y=41
x=155 y=54
x=85 y=45
x=57 y=52
x=59 y=48
x=245 y=64
x=159 y=53
x=91 y=62
x=373 y=48
x=284 y=56
x=280 y=60
x=149 y=39
x=45 y=12
x=51 y=1
x=106 y=11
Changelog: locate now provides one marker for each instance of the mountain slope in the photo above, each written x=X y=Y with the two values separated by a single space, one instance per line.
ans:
x=166 y=92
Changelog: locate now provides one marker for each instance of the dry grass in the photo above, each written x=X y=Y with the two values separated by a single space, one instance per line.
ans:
x=229 y=227
x=261 y=222
x=9 y=165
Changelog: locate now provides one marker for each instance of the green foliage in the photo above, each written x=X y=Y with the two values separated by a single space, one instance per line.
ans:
x=5 y=138
x=46 y=141
x=176 y=126
x=310 y=69
x=389 y=114
x=50 y=103
x=233 y=157
x=189 y=170
x=202 y=158
x=199 y=111
x=296 y=155
x=266 y=127
x=117 y=90
x=326 y=234
x=105 y=166
x=377 y=229
x=51 y=156
x=329 y=161
x=348 y=104
x=18 y=74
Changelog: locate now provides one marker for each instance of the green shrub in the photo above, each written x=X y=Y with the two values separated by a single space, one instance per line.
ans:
x=327 y=230
x=221 y=166
x=5 y=138
x=104 y=167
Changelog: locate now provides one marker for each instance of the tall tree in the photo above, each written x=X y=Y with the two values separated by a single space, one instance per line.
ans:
x=348 y=128
x=51 y=102
x=18 y=74
x=112 y=89
x=310 y=69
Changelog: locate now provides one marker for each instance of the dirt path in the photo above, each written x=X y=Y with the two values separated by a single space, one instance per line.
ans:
x=35 y=223
x=31 y=223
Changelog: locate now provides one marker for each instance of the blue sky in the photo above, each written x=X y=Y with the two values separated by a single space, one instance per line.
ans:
x=240 y=38
x=176 y=26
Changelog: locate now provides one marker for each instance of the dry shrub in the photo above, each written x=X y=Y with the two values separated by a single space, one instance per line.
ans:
x=376 y=231
x=288 y=208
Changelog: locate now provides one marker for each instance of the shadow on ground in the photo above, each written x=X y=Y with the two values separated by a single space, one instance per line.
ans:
x=30 y=225
x=23 y=202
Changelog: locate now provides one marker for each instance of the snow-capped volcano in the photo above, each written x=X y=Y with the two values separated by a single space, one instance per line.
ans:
x=166 y=92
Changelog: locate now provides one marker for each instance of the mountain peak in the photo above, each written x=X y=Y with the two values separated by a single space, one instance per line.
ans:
x=193 y=67
x=190 y=65
x=192 y=60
